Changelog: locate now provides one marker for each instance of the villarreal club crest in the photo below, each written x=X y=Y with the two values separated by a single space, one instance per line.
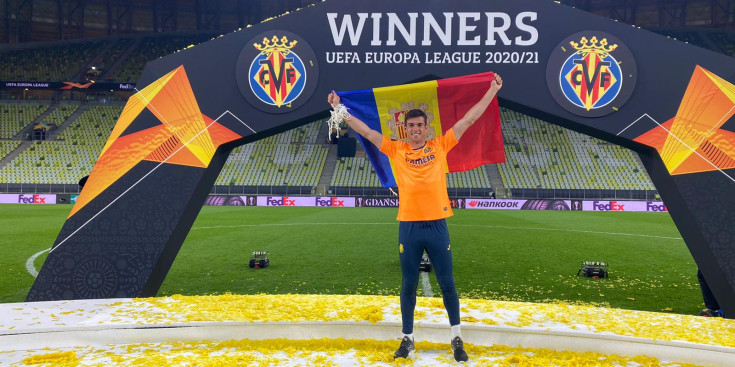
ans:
x=277 y=71
x=591 y=74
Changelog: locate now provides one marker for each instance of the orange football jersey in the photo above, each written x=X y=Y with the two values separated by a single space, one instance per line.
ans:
x=421 y=177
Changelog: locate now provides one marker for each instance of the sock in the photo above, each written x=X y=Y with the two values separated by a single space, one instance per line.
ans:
x=456 y=332
x=410 y=336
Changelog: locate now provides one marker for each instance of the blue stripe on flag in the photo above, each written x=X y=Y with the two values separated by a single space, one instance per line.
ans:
x=361 y=104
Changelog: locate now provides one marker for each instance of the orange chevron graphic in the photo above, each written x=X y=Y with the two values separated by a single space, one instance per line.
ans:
x=184 y=137
x=694 y=141
x=136 y=103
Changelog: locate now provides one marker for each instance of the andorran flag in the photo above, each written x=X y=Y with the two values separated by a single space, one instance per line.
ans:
x=444 y=101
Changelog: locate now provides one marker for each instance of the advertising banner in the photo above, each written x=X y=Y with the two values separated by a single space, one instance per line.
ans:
x=624 y=206
x=66 y=85
x=63 y=198
x=457 y=203
x=494 y=204
x=576 y=205
x=377 y=202
x=305 y=201
x=392 y=202
x=345 y=202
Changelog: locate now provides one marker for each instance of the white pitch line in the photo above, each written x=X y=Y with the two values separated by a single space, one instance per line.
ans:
x=450 y=225
x=426 y=285
x=569 y=230
x=293 y=224
x=30 y=266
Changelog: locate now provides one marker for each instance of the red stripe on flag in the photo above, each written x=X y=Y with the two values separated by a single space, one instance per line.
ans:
x=482 y=143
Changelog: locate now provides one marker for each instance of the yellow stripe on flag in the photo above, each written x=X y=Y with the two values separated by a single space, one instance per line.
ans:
x=393 y=103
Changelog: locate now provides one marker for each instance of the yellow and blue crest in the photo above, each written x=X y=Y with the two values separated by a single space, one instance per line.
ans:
x=277 y=74
x=591 y=73
x=591 y=77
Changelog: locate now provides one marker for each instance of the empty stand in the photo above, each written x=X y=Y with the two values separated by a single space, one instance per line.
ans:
x=114 y=53
x=152 y=48
x=354 y=171
x=289 y=159
x=7 y=146
x=357 y=171
x=60 y=114
x=50 y=63
x=545 y=156
x=68 y=159
x=724 y=40
x=539 y=156
x=15 y=117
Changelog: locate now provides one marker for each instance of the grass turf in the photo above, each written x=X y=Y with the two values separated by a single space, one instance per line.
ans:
x=530 y=256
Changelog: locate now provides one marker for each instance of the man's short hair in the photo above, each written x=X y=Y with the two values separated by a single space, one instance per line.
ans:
x=415 y=113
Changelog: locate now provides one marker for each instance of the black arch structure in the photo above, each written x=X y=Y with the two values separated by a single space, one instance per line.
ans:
x=158 y=167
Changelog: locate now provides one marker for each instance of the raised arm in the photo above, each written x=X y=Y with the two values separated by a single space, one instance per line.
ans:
x=356 y=124
x=478 y=109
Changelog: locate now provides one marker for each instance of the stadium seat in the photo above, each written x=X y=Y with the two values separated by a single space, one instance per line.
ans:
x=150 y=49
x=291 y=158
x=15 y=117
x=544 y=156
x=72 y=156
x=48 y=63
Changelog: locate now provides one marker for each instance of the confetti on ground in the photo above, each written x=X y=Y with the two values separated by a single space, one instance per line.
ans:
x=362 y=310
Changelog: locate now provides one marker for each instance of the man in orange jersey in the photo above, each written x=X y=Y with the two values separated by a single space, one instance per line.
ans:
x=420 y=171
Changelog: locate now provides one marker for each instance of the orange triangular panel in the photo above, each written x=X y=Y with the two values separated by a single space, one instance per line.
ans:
x=705 y=107
x=708 y=158
x=172 y=151
x=176 y=107
x=695 y=163
x=719 y=150
x=725 y=141
x=119 y=158
x=164 y=151
x=719 y=158
x=219 y=133
x=136 y=103
x=726 y=87
x=656 y=137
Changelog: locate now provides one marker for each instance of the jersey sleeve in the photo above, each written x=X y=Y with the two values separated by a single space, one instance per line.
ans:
x=448 y=140
x=388 y=147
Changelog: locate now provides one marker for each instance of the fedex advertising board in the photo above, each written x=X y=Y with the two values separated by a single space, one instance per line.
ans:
x=27 y=198
x=624 y=206
x=325 y=201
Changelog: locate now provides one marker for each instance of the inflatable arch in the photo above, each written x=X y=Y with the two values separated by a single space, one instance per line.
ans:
x=670 y=102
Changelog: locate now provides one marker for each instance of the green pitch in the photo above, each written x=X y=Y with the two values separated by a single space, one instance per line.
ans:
x=530 y=256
